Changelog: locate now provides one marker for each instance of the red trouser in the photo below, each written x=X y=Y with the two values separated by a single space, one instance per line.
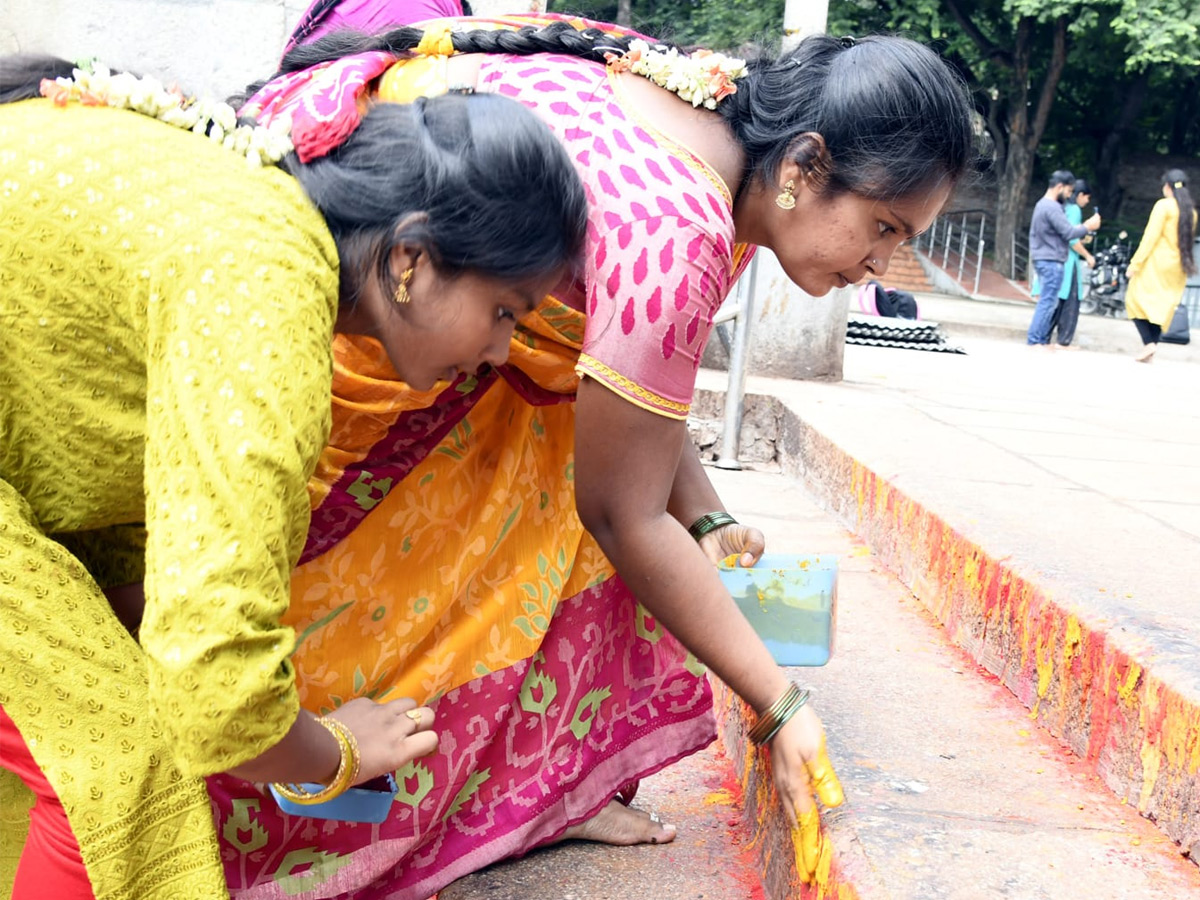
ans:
x=50 y=864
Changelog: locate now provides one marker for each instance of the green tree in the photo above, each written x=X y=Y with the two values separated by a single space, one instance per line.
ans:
x=729 y=25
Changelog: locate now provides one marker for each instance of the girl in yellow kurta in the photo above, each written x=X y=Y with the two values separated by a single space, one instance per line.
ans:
x=1159 y=269
x=166 y=314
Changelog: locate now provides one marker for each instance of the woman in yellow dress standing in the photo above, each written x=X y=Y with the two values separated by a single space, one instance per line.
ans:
x=1159 y=269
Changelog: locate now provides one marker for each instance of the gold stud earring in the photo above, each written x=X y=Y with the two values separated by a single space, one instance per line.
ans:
x=787 y=197
x=401 y=295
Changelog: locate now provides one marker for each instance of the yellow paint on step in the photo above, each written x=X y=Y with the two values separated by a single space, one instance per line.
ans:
x=1151 y=764
x=1045 y=664
x=719 y=798
x=1129 y=685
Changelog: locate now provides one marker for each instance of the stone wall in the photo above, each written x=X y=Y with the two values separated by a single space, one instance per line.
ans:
x=209 y=47
x=212 y=47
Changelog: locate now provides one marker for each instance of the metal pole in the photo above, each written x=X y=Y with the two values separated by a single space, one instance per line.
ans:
x=735 y=393
x=802 y=18
x=946 y=237
x=962 y=252
x=978 y=263
x=979 y=258
x=1012 y=256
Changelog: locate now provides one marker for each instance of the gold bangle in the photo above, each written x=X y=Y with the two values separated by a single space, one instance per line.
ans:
x=777 y=715
x=343 y=779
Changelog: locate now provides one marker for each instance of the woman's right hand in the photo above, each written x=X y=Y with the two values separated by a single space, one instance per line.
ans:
x=801 y=767
x=389 y=735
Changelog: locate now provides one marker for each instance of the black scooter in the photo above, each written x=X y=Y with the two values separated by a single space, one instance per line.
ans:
x=1106 y=284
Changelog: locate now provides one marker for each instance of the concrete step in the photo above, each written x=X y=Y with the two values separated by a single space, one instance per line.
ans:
x=963 y=317
x=905 y=272
x=953 y=791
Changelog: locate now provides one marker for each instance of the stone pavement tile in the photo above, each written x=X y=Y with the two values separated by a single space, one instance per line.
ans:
x=1180 y=514
x=1122 y=481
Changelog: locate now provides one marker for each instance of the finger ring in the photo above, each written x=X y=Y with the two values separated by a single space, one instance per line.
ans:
x=414 y=714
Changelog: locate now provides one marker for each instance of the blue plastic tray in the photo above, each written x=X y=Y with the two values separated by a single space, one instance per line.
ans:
x=359 y=804
x=791 y=600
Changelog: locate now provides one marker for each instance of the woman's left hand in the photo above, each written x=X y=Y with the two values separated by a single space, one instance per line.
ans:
x=727 y=540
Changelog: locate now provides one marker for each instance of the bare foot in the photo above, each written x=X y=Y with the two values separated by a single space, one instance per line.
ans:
x=621 y=826
x=1147 y=353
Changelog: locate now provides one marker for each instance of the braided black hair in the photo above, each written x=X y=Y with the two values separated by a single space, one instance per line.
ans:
x=893 y=117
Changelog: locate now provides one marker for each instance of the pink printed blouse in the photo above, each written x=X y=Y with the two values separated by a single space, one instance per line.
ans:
x=660 y=249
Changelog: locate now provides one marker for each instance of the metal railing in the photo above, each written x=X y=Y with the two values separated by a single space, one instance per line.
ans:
x=959 y=241
x=956 y=241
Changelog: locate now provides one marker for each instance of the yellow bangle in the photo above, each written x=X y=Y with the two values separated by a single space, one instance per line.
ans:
x=343 y=779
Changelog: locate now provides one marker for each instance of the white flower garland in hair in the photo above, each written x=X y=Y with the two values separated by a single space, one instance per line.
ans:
x=99 y=87
x=702 y=78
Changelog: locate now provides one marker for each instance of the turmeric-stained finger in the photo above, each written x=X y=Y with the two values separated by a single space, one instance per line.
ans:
x=813 y=853
x=824 y=779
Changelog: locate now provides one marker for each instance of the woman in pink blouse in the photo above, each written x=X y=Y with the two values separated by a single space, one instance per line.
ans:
x=522 y=562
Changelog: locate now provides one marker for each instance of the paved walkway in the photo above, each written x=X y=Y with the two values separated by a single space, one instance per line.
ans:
x=1015 y=700
x=1008 y=320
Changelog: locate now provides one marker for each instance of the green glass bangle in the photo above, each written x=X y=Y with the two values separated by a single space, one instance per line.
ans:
x=777 y=716
x=710 y=522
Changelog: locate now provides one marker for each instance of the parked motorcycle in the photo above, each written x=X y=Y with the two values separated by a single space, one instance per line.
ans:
x=1106 y=283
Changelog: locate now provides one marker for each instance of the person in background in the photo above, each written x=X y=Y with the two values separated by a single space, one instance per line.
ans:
x=1050 y=236
x=1164 y=259
x=1066 y=316
x=168 y=301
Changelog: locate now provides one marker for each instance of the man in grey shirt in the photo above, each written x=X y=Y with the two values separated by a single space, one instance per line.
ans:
x=1050 y=237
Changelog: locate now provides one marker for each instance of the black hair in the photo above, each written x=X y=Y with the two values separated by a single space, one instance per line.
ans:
x=893 y=116
x=485 y=187
x=492 y=190
x=1082 y=187
x=1061 y=176
x=1187 y=211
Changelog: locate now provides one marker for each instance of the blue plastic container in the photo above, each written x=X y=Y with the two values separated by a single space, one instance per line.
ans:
x=368 y=802
x=791 y=600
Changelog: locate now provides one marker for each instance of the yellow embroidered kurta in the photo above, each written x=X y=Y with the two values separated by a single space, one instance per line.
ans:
x=1157 y=287
x=165 y=324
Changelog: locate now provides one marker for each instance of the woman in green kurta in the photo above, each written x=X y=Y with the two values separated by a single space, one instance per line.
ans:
x=1159 y=269
x=166 y=313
